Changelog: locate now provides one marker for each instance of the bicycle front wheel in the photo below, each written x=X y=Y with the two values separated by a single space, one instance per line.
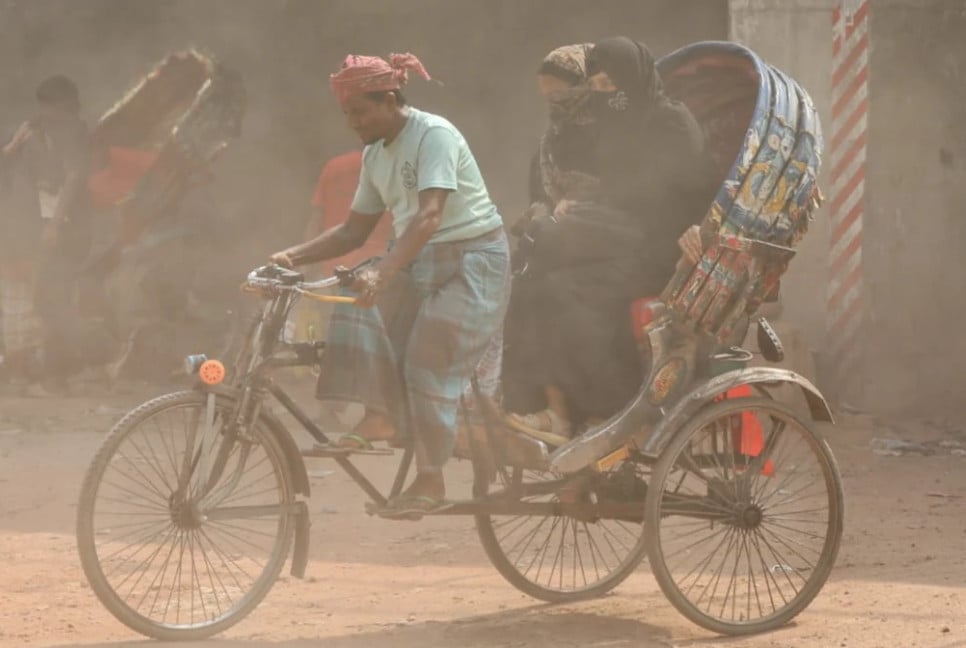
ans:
x=184 y=525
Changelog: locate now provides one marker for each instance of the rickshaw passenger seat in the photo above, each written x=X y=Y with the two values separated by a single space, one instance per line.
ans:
x=644 y=311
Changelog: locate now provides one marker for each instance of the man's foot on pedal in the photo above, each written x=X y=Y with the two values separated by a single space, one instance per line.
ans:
x=425 y=496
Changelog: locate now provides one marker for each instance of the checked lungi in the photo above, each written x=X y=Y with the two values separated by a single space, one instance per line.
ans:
x=412 y=355
x=21 y=329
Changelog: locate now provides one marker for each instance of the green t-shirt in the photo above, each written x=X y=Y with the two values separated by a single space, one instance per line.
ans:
x=428 y=153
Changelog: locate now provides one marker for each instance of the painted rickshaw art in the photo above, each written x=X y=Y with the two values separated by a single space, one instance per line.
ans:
x=157 y=139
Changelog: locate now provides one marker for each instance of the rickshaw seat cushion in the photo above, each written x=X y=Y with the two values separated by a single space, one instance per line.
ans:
x=644 y=311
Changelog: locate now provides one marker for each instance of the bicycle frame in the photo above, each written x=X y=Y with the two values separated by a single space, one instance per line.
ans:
x=265 y=352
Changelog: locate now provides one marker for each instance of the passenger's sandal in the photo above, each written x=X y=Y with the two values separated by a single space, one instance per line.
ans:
x=546 y=426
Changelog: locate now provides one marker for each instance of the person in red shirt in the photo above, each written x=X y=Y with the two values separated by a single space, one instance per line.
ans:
x=332 y=202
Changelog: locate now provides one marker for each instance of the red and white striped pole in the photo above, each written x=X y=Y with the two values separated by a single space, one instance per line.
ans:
x=847 y=149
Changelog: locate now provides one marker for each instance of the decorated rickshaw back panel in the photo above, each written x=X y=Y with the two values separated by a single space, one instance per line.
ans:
x=764 y=136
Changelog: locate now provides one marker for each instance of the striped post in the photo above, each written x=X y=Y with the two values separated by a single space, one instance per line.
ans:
x=847 y=148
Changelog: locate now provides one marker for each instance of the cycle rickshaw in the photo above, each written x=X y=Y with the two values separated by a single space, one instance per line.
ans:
x=196 y=499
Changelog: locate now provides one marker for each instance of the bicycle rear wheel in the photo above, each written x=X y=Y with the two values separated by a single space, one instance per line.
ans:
x=174 y=554
x=744 y=516
x=557 y=557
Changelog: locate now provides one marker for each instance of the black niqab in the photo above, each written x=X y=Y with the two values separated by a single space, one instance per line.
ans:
x=632 y=68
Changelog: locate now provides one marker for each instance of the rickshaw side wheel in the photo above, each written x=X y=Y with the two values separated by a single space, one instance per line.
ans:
x=163 y=562
x=743 y=516
x=557 y=558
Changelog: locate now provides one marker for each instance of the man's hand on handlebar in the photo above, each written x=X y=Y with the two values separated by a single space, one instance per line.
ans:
x=367 y=283
x=283 y=258
x=365 y=279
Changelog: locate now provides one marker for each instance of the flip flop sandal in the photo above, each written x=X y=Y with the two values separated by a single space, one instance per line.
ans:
x=413 y=507
x=361 y=445
x=531 y=425
x=330 y=451
x=355 y=442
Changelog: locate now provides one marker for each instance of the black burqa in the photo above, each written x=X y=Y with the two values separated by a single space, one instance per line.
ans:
x=569 y=323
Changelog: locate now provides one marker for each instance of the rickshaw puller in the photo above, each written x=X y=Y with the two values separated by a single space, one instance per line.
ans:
x=432 y=305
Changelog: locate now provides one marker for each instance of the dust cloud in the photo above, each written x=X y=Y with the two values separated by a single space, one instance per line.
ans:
x=484 y=53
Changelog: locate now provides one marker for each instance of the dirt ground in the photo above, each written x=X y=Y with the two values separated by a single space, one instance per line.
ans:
x=900 y=579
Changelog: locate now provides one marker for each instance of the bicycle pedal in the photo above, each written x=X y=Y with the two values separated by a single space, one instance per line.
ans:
x=334 y=451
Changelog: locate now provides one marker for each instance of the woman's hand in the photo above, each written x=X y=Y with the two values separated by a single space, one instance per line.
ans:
x=690 y=243
x=562 y=208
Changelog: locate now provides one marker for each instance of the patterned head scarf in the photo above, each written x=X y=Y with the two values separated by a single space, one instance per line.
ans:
x=568 y=63
x=571 y=121
x=362 y=74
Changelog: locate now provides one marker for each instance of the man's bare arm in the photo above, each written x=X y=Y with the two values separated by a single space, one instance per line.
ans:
x=11 y=150
x=371 y=281
x=417 y=234
x=332 y=243
x=316 y=224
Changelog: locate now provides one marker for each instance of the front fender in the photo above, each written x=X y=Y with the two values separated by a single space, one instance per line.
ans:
x=300 y=475
x=706 y=392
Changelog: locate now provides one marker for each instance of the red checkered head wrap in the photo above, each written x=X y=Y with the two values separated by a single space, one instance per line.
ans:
x=361 y=74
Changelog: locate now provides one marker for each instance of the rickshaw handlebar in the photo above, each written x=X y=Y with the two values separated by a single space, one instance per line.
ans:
x=278 y=277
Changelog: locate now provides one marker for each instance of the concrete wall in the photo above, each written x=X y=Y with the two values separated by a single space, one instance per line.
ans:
x=796 y=38
x=914 y=226
x=916 y=211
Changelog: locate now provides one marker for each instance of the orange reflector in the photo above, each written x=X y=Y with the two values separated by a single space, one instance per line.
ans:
x=211 y=372
x=747 y=434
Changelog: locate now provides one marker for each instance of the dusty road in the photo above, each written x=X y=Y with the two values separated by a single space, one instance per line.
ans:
x=900 y=580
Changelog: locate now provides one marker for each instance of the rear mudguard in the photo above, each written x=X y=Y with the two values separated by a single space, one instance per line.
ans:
x=296 y=464
x=762 y=378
